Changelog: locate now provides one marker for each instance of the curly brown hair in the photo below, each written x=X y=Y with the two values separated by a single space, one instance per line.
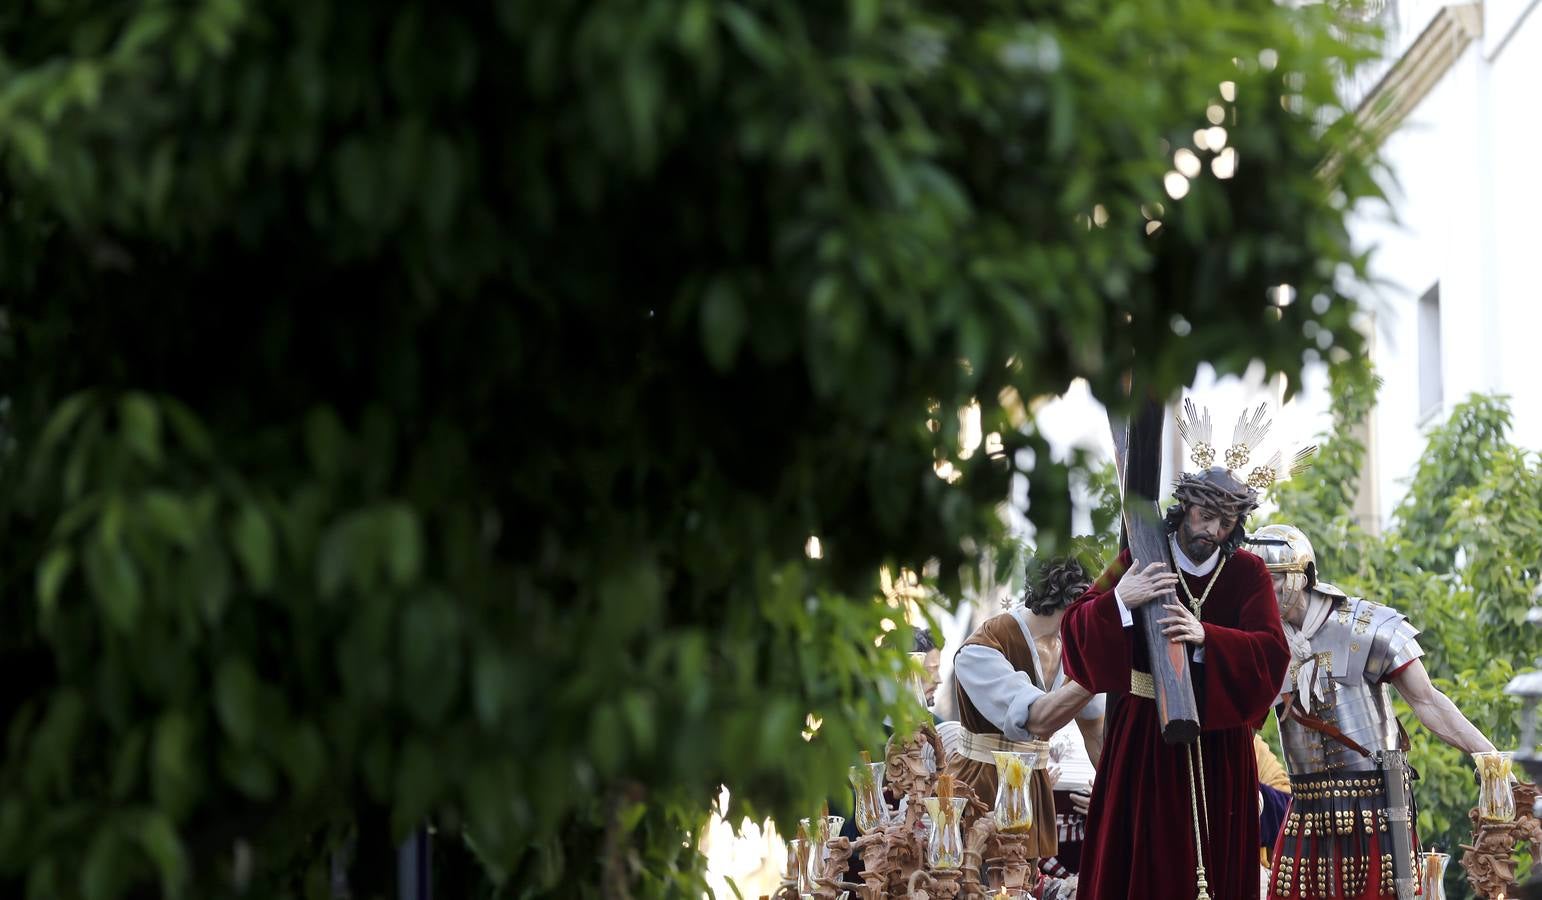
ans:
x=1054 y=584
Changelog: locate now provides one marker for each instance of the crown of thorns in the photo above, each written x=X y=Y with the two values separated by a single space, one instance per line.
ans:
x=1216 y=488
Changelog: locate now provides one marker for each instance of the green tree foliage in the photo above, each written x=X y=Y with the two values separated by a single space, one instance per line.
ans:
x=1322 y=503
x=1013 y=560
x=1106 y=509
x=419 y=413
x=1461 y=558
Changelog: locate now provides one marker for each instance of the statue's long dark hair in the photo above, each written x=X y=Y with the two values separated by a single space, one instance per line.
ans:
x=1174 y=520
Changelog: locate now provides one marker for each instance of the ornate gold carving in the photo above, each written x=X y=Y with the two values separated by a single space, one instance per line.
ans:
x=1488 y=860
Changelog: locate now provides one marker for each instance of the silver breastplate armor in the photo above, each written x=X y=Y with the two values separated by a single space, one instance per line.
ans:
x=1360 y=645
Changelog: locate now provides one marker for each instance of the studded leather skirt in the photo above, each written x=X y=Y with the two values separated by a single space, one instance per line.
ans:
x=1335 y=843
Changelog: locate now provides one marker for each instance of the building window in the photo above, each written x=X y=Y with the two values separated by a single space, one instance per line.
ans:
x=1431 y=385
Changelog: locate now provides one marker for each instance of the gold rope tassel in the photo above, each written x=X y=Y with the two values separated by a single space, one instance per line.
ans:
x=1196 y=802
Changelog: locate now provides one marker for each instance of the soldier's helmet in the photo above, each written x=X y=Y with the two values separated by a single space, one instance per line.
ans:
x=1283 y=548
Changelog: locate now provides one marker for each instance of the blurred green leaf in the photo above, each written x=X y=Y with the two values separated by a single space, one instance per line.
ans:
x=172 y=766
x=103 y=872
x=141 y=427
x=172 y=517
x=51 y=575
x=403 y=543
x=158 y=836
x=723 y=323
x=254 y=546
x=236 y=696
x=114 y=582
x=304 y=757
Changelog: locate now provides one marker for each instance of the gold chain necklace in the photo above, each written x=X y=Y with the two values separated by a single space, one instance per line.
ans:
x=1197 y=605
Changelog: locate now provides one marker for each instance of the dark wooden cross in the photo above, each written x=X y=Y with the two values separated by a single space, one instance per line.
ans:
x=1138 y=457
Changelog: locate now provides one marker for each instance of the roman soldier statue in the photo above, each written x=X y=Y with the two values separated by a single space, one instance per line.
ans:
x=1349 y=832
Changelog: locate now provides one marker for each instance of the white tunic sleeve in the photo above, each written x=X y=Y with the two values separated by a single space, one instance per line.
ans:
x=1001 y=693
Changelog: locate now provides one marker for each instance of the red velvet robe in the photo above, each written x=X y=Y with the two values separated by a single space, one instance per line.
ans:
x=1140 y=829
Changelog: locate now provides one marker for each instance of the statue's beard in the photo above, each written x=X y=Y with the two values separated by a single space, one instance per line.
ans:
x=1196 y=547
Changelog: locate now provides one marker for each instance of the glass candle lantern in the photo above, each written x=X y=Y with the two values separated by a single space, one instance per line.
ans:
x=1432 y=875
x=820 y=829
x=867 y=785
x=945 y=842
x=1496 y=800
x=1014 y=799
x=800 y=857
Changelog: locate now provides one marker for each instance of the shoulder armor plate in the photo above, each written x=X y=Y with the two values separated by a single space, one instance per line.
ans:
x=1330 y=590
x=1362 y=635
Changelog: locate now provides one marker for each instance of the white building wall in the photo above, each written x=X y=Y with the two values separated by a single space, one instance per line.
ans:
x=1516 y=150
x=1421 y=247
x=1467 y=200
